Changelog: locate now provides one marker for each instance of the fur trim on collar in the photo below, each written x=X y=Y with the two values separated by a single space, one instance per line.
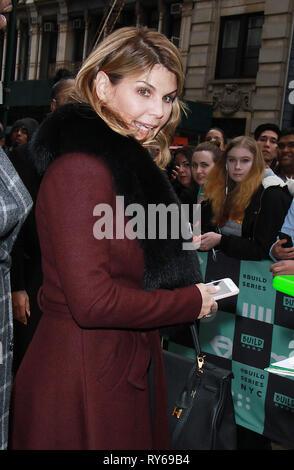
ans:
x=275 y=180
x=272 y=180
x=77 y=128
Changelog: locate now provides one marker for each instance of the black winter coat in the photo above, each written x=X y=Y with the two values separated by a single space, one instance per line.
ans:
x=26 y=269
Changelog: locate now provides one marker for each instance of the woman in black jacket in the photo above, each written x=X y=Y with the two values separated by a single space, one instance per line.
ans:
x=244 y=211
x=181 y=176
x=26 y=270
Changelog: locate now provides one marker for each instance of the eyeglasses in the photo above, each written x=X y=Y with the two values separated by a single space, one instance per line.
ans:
x=283 y=145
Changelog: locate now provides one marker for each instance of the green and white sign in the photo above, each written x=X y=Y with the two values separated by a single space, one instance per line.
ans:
x=248 y=333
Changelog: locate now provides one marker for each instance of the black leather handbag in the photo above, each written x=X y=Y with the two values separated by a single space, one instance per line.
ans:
x=200 y=404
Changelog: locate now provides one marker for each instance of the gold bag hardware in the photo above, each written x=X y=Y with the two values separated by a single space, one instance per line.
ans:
x=177 y=412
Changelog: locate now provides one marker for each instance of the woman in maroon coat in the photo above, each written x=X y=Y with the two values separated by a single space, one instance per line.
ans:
x=108 y=284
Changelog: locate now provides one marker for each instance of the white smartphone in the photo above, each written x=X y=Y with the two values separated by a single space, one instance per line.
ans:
x=226 y=288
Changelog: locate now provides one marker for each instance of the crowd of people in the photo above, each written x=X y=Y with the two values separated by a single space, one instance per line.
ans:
x=245 y=191
x=244 y=211
x=245 y=188
x=87 y=309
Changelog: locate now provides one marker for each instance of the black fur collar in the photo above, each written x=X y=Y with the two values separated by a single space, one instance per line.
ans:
x=76 y=128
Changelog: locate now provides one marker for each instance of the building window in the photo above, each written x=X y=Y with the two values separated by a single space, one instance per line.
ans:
x=49 y=49
x=23 y=53
x=78 y=39
x=151 y=17
x=239 y=44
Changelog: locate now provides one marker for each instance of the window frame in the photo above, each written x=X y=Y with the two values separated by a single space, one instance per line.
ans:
x=240 y=49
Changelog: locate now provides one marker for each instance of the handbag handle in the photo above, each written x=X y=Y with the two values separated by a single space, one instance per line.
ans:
x=194 y=332
x=200 y=357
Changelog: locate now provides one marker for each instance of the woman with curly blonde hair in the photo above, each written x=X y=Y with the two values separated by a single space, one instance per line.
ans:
x=107 y=288
x=243 y=210
x=115 y=60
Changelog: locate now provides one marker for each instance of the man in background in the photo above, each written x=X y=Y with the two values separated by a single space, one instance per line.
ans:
x=286 y=154
x=267 y=137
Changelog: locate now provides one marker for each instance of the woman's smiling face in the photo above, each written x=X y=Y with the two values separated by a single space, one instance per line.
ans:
x=144 y=101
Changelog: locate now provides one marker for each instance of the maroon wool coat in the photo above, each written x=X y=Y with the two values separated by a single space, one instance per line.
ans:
x=83 y=383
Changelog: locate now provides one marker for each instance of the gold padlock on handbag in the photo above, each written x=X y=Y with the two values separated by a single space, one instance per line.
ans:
x=200 y=363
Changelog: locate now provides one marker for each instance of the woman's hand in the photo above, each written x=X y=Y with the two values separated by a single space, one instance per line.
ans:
x=283 y=268
x=209 y=240
x=20 y=306
x=174 y=173
x=282 y=253
x=208 y=303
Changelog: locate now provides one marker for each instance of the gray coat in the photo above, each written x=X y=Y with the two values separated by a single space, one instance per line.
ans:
x=15 y=204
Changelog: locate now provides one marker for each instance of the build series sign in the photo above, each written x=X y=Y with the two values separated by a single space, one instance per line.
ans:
x=248 y=333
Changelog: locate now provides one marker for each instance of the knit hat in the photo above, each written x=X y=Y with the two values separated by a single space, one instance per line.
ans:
x=26 y=123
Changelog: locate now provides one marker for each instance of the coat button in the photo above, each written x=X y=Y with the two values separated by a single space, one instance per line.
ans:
x=11 y=345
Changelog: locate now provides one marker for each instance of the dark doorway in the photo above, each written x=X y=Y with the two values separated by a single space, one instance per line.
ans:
x=231 y=127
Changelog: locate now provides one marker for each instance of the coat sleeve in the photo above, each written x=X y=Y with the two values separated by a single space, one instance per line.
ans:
x=71 y=189
x=264 y=228
x=15 y=203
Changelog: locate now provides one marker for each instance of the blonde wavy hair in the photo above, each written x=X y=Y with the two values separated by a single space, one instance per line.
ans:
x=127 y=52
x=229 y=199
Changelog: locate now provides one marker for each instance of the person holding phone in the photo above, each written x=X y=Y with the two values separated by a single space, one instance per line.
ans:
x=181 y=171
x=85 y=381
x=225 y=288
x=243 y=211
x=281 y=250
x=181 y=176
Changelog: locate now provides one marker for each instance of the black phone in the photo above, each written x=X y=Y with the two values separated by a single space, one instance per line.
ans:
x=288 y=243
